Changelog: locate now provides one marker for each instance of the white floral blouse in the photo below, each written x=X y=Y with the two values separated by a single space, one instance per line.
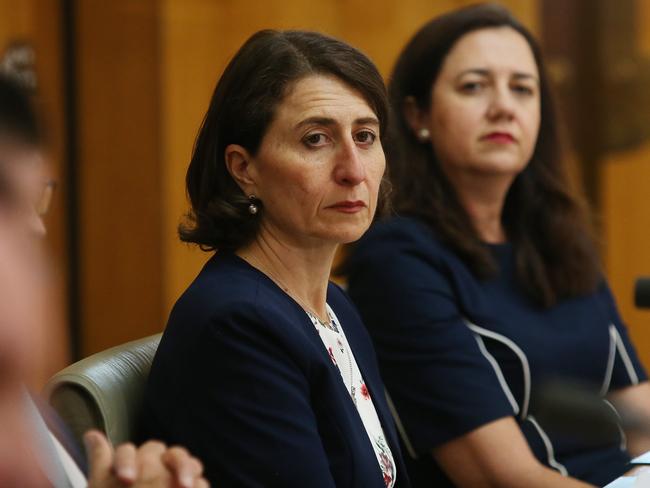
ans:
x=341 y=355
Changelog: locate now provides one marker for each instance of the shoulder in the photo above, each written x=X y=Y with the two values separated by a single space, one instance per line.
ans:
x=402 y=229
x=402 y=247
x=398 y=235
x=224 y=278
x=234 y=317
x=227 y=282
x=229 y=294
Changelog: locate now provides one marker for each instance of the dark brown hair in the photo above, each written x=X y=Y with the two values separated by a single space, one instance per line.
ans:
x=18 y=118
x=242 y=107
x=18 y=125
x=547 y=225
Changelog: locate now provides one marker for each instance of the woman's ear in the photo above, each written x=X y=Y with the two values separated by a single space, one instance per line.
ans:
x=238 y=163
x=416 y=118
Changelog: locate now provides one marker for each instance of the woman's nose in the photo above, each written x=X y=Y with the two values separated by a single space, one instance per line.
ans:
x=501 y=104
x=350 y=169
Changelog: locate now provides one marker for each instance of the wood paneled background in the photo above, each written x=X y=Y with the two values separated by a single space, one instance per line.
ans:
x=144 y=72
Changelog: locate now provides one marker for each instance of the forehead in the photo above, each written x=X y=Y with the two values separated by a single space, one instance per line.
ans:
x=322 y=95
x=499 y=49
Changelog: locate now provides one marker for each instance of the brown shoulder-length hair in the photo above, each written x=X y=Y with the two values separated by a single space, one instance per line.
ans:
x=548 y=226
x=242 y=107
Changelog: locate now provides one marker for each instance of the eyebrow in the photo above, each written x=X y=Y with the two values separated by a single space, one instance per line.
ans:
x=328 y=121
x=519 y=75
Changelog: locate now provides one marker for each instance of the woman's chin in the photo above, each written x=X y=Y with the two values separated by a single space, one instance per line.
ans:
x=340 y=232
x=352 y=235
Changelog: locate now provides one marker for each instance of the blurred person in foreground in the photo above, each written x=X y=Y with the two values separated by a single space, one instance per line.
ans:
x=265 y=370
x=486 y=282
x=20 y=322
x=35 y=449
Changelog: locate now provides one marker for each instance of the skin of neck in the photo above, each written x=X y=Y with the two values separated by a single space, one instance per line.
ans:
x=302 y=268
x=483 y=197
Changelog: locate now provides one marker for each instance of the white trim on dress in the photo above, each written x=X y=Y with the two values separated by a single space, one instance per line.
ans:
x=499 y=373
x=625 y=356
x=519 y=353
x=549 y=448
x=480 y=331
x=623 y=444
x=610 y=361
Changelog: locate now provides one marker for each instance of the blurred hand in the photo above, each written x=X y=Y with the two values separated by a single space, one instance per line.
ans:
x=151 y=465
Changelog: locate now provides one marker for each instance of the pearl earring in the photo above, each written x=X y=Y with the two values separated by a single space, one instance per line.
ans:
x=423 y=134
x=252 y=207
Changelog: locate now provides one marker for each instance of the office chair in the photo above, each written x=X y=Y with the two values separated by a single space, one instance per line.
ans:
x=104 y=391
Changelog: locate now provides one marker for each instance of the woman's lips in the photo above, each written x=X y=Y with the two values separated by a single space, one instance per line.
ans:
x=499 y=137
x=348 y=206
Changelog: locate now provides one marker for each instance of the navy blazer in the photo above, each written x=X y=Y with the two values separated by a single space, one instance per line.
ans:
x=242 y=379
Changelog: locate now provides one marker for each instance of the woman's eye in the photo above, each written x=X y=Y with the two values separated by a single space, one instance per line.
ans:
x=365 y=137
x=315 y=140
x=471 y=86
x=523 y=89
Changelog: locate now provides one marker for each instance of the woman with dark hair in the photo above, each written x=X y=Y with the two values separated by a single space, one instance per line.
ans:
x=264 y=370
x=486 y=283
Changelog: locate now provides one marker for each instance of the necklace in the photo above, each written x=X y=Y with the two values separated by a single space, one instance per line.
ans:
x=330 y=324
x=342 y=344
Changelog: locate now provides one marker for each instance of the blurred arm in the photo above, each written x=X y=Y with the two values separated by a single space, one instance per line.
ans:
x=636 y=398
x=497 y=455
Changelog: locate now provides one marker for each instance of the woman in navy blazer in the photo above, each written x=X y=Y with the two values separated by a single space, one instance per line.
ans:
x=265 y=371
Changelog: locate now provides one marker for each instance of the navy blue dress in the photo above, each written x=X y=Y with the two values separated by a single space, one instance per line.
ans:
x=242 y=379
x=456 y=352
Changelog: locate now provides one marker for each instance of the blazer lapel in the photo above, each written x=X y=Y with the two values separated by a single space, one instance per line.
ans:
x=364 y=355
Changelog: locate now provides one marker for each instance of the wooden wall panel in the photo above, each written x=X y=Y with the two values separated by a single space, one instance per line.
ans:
x=383 y=30
x=187 y=81
x=625 y=180
x=625 y=214
x=16 y=20
x=119 y=171
x=642 y=33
